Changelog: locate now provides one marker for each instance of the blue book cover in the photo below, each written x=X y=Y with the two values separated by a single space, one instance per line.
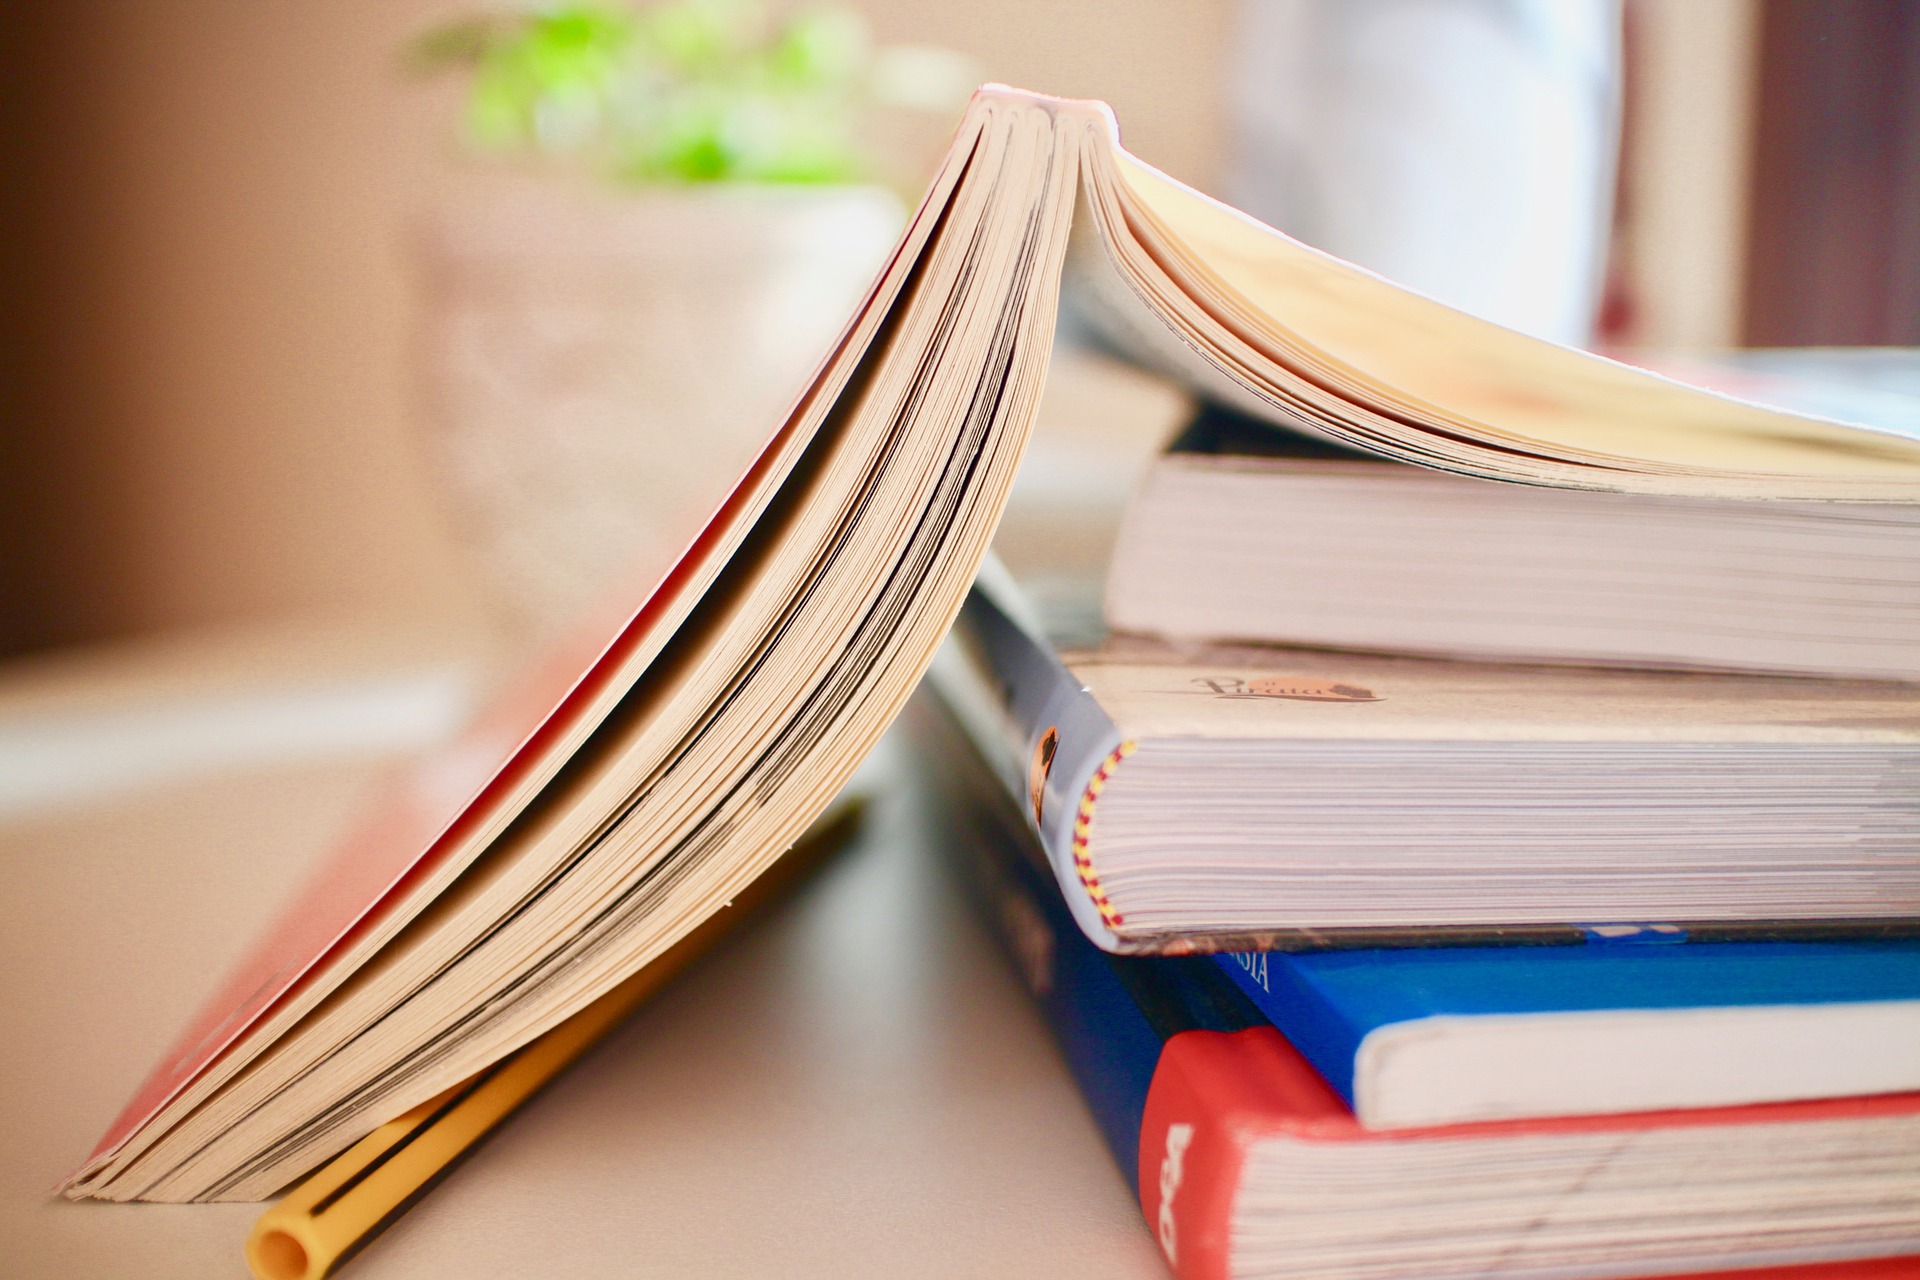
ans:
x=1641 y=1022
x=1112 y=1015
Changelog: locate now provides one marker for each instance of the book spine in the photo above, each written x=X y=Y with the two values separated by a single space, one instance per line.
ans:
x=1315 y=1026
x=1157 y=1103
x=1202 y=1116
x=1110 y=1045
x=1049 y=741
x=1132 y=1030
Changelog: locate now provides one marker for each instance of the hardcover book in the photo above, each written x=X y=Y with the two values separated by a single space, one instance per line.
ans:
x=1219 y=798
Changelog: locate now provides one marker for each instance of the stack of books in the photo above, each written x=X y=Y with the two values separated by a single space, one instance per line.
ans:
x=1434 y=876
x=1223 y=868
x=1394 y=967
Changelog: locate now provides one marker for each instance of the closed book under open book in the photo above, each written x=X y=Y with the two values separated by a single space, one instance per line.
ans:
x=613 y=804
x=1213 y=798
x=1630 y=1020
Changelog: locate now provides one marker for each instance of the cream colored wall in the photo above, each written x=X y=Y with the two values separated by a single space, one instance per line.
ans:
x=218 y=419
x=1688 y=161
x=1160 y=63
x=219 y=306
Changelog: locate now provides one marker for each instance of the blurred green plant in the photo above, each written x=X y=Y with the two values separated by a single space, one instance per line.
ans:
x=689 y=91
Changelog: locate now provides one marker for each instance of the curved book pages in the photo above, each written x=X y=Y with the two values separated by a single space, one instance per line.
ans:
x=1273 y=328
x=603 y=811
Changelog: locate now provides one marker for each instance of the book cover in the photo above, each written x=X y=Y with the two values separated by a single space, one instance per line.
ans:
x=1632 y=1020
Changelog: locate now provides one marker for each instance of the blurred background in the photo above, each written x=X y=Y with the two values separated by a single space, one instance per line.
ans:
x=265 y=317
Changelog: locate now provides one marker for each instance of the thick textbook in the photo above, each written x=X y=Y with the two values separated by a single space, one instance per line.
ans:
x=1247 y=1163
x=1631 y=1020
x=607 y=809
x=1211 y=798
x=1244 y=532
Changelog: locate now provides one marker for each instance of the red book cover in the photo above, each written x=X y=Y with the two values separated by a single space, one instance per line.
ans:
x=1216 y=1094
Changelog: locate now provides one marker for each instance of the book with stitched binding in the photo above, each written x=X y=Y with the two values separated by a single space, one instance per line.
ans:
x=611 y=804
x=1248 y=1163
x=1221 y=798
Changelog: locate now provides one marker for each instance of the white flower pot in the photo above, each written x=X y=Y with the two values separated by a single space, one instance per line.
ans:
x=601 y=366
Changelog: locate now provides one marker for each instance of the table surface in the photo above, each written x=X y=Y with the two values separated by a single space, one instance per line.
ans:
x=854 y=1085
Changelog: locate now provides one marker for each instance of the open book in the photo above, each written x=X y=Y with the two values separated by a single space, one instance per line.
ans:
x=606 y=810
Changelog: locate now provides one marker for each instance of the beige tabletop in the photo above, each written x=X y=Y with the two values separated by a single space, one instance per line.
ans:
x=854 y=1086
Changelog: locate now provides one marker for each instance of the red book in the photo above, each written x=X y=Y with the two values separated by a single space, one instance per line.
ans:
x=1250 y=1164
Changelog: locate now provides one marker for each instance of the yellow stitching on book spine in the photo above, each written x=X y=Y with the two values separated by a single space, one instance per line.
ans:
x=1083 y=821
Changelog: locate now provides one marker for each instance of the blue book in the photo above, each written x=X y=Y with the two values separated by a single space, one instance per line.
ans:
x=1633 y=1021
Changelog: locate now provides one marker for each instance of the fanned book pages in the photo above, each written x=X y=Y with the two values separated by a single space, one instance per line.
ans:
x=607 y=809
x=1275 y=329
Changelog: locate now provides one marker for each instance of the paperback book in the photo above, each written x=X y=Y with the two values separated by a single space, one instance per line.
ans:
x=1244 y=531
x=1629 y=1020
